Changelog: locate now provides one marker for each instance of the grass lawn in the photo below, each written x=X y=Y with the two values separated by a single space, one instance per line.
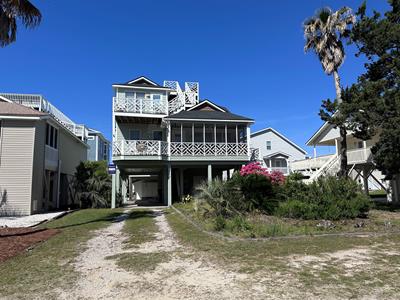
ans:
x=261 y=225
x=338 y=267
x=49 y=265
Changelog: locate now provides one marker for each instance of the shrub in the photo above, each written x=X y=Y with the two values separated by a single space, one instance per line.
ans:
x=256 y=191
x=255 y=168
x=239 y=224
x=327 y=198
x=219 y=223
x=215 y=195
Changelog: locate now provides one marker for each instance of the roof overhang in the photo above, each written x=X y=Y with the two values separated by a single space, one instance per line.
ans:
x=204 y=102
x=208 y=120
x=160 y=88
x=277 y=154
x=280 y=135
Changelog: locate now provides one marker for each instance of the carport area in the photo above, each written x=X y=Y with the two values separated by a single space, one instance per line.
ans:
x=150 y=183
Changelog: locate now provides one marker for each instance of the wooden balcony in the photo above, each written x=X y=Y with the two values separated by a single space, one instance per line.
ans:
x=359 y=156
x=140 y=106
x=139 y=148
x=208 y=149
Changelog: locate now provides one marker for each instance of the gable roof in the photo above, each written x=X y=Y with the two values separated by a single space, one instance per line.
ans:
x=276 y=153
x=17 y=110
x=207 y=102
x=141 y=82
x=270 y=129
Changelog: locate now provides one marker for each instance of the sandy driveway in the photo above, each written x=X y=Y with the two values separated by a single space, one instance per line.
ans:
x=179 y=278
x=187 y=275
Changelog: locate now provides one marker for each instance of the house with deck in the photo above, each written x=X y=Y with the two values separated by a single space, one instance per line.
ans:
x=165 y=140
x=274 y=150
x=38 y=156
x=359 y=159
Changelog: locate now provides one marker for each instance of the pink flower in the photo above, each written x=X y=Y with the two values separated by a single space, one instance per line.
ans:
x=276 y=177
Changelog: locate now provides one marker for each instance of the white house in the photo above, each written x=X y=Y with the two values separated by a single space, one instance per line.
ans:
x=274 y=150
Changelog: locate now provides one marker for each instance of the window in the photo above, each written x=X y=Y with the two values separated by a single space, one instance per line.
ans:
x=51 y=136
x=210 y=138
x=242 y=132
x=220 y=131
x=175 y=132
x=157 y=135
x=187 y=133
x=359 y=144
x=90 y=138
x=198 y=133
x=157 y=97
x=269 y=147
x=140 y=95
x=134 y=134
x=130 y=95
x=231 y=133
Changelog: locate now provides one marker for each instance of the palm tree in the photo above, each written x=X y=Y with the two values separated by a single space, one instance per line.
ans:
x=10 y=12
x=324 y=33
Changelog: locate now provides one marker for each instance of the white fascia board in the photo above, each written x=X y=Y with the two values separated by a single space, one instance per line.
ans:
x=210 y=120
x=7 y=117
x=144 y=78
x=209 y=103
x=139 y=115
x=141 y=87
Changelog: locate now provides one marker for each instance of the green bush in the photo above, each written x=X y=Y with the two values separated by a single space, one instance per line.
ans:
x=327 y=198
x=219 y=223
x=238 y=224
x=256 y=190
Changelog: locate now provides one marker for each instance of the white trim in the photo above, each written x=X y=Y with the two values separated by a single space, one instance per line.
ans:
x=206 y=102
x=5 y=99
x=280 y=135
x=124 y=114
x=141 y=87
x=210 y=120
x=142 y=78
x=22 y=118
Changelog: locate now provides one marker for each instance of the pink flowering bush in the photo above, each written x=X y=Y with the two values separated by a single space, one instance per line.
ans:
x=276 y=177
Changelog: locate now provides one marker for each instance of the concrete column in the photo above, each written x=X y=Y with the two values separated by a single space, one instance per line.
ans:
x=113 y=191
x=118 y=180
x=124 y=190
x=209 y=173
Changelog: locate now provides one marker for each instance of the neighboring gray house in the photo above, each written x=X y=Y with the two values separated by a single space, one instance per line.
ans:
x=99 y=146
x=165 y=141
x=38 y=157
x=274 y=150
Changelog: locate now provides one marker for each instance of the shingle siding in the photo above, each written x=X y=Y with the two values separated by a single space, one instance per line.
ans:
x=16 y=165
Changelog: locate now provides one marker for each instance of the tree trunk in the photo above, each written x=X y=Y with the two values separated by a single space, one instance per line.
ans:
x=342 y=129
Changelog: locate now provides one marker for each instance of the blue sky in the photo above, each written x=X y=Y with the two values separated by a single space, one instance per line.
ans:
x=247 y=55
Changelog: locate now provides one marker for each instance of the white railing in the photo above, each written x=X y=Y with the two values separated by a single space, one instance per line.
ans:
x=310 y=163
x=139 y=148
x=208 y=149
x=39 y=103
x=149 y=147
x=358 y=156
x=284 y=170
x=140 y=105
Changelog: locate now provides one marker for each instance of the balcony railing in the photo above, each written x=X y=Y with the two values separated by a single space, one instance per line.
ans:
x=284 y=170
x=149 y=147
x=208 y=149
x=358 y=156
x=139 y=148
x=140 y=106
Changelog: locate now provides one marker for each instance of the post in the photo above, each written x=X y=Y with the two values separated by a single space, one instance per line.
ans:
x=169 y=184
x=181 y=181
x=315 y=151
x=248 y=139
x=365 y=179
x=209 y=173
x=113 y=191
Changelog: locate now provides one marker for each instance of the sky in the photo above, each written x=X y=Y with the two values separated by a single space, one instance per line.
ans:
x=246 y=55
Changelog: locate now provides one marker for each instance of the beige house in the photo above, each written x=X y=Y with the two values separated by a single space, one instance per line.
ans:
x=38 y=156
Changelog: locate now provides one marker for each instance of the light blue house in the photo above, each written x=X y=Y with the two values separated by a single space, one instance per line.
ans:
x=99 y=146
x=274 y=150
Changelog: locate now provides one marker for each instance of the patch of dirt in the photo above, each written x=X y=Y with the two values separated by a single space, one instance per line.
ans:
x=16 y=240
x=179 y=278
